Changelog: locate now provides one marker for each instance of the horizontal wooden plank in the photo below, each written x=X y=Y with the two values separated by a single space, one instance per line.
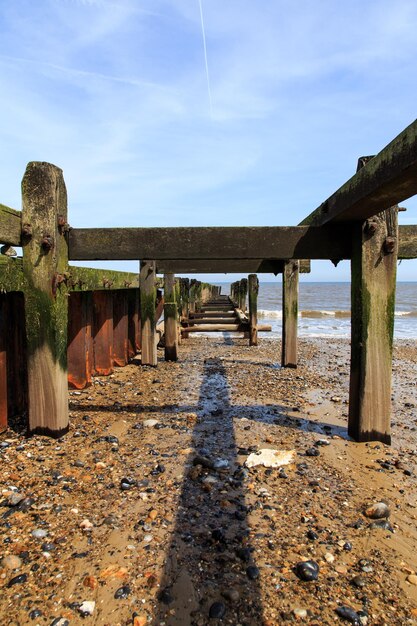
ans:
x=91 y=279
x=223 y=328
x=227 y=266
x=10 y=225
x=210 y=243
x=386 y=180
x=11 y=274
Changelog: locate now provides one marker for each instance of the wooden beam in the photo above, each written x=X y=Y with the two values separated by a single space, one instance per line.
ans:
x=289 y=314
x=386 y=180
x=45 y=256
x=211 y=243
x=222 y=266
x=407 y=244
x=10 y=226
x=92 y=279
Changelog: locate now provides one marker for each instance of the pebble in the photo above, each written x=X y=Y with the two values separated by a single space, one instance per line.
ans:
x=87 y=607
x=17 y=580
x=39 y=533
x=378 y=510
x=412 y=579
x=127 y=483
x=329 y=557
x=60 y=621
x=151 y=423
x=358 y=581
x=312 y=452
x=232 y=595
x=381 y=523
x=217 y=610
x=15 y=498
x=11 y=561
x=86 y=525
x=122 y=592
x=349 y=614
x=307 y=570
x=252 y=572
x=35 y=613
x=302 y=613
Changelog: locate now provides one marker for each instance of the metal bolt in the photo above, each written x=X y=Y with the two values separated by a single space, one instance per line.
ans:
x=389 y=245
x=370 y=227
x=47 y=243
x=26 y=231
x=61 y=220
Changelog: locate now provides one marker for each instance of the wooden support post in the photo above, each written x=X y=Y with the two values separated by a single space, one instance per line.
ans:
x=133 y=332
x=373 y=270
x=178 y=303
x=17 y=383
x=243 y=292
x=253 y=284
x=3 y=363
x=45 y=263
x=120 y=327
x=192 y=296
x=289 y=313
x=80 y=341
x=170 y=318
x=103 y=332
x=147 y=307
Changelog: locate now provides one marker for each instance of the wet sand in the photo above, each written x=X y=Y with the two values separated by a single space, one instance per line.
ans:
x=148 y=499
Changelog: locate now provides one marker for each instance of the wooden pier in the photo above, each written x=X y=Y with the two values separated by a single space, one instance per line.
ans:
x=61 y=325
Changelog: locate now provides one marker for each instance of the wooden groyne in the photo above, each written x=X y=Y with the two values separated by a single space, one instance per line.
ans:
x=48 y=335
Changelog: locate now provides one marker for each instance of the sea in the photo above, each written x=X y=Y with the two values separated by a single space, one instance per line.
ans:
x=324 y=308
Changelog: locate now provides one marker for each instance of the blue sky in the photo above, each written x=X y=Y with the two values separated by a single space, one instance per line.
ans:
x=115 y=92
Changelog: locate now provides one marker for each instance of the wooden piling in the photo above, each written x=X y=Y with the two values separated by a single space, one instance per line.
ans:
x=134 y=323
x=147 y=307
x=17 y=379
x=243 y=292
x=80 y=341
x=102 y=333
x=170 y=318
x=120 y=328
x=373 y=272
x=290 y=277
x=253 y=287
x=45 y=263
x=3 y=363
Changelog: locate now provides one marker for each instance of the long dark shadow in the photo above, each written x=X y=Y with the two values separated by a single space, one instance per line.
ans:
x=210 y=572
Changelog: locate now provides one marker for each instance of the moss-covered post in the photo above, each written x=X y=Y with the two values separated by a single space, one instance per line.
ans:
x=17 y=383
x=80 y=342
x=192 y=296
x=373 y=272
x=120 y=327
x=3 y=363
x=103 y=332
x=253 y=286
x=147 y=308
x=170 y=318
x=290 y=276
x=45 y=263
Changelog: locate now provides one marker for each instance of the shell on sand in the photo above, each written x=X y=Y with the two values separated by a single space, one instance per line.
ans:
x=270 y=458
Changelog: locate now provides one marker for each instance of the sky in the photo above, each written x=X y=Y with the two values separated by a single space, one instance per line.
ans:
x=253 y=120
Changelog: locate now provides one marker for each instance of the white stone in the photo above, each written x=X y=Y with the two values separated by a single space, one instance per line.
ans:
x=150 y=423
x=87 y=607
x=270 y=458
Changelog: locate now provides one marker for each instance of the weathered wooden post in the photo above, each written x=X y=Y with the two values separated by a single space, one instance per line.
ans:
x=253 y=284
x=3 y=363
x=290 y=276
x=170 y=318
x=243 y=292
x=134 y=331
x=373 y=272
x=80 y=341
x=192 y=296
x=120 y=327
x=147 y=308
x=178 y=302
x=45 y=263
x=103 y=332
x=17 y=384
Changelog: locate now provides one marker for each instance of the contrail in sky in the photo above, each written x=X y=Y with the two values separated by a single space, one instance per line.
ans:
x=205 y=57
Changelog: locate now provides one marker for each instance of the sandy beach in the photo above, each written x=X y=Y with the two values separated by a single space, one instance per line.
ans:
x=146 y=513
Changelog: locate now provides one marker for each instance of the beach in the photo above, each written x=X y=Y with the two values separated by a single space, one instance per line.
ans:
x=146 y=511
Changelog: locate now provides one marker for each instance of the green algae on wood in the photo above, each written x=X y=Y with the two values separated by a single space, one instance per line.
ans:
x=147 y=309
x=12 y=277
x=45 y=255
x=170 y=318
x=10 y=226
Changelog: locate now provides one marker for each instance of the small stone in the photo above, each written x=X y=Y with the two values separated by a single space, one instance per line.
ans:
x=35 y=613
x=302 y=613
x=312 y=535
x=127 y=483
x=39 y=533
x=86 y=525
x=151 y=423
x=140 y=620
x=382 y=524
x=341 y=569
x=60 y=621
x=349 y=614
x=378 y=510
x=412 y=579
x=153 y=514
x=336 y=399
x=91 y=582
x=358 y=581
x=147 y=538
x=307 y=570
x=122 y=592
x=11 y=561
x=17 y=580
x=217 y=610
x=15 y=498
x=232 y=595
x=87 y=607
x=312 y=452
x=252 y=572
x=329 y=557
